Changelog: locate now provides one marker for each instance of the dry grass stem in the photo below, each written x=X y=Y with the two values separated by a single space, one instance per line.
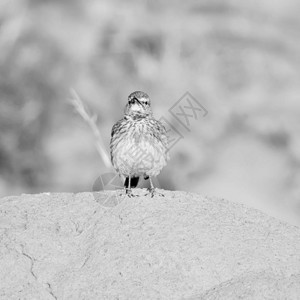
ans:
x=91 y=120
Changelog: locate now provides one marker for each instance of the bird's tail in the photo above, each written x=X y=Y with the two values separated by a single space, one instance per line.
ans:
x=133 y=182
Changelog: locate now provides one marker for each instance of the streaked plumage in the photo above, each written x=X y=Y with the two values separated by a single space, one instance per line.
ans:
x=139 y=144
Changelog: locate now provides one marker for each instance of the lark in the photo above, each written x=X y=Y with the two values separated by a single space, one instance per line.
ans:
x=139 y=143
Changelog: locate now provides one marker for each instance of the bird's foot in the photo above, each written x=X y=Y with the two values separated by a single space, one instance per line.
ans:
x=129 y=193
x=153 y=192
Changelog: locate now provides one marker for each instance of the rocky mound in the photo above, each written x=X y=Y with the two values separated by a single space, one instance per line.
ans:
x=106 y=246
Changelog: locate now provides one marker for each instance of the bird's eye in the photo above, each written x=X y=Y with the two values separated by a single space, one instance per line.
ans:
x=133 y=100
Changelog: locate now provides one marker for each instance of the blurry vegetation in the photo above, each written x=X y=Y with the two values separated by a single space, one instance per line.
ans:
x=241 y=60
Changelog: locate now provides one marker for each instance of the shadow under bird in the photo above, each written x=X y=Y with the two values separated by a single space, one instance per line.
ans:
x=139 y=143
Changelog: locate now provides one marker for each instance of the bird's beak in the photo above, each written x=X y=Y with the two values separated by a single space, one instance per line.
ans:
x=138 y=101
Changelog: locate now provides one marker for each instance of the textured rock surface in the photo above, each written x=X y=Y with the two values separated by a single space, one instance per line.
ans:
x=181 y=246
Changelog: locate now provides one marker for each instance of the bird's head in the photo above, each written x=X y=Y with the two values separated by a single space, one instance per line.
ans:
x=138 y=103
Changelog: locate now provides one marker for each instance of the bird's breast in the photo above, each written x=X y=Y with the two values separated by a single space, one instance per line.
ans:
x=138 y=150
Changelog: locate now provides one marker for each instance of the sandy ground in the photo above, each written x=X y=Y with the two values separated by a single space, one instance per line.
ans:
x=106 y=246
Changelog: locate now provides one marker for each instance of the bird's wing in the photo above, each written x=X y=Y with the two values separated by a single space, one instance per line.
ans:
x=162 y=136
x=116 y=135
x=116 y=127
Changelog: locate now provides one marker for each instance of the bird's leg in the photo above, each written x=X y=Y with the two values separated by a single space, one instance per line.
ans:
x=152 y=190
x=128 y=189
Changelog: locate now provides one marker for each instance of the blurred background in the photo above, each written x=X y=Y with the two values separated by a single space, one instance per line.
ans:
x=239 y=59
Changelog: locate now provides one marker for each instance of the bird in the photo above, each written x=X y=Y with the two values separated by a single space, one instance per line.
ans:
x=139 y=143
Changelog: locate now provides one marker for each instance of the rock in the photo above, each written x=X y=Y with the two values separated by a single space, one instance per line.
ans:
x=181 y=246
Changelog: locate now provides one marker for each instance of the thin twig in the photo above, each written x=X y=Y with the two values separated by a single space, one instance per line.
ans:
x=91 y=120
